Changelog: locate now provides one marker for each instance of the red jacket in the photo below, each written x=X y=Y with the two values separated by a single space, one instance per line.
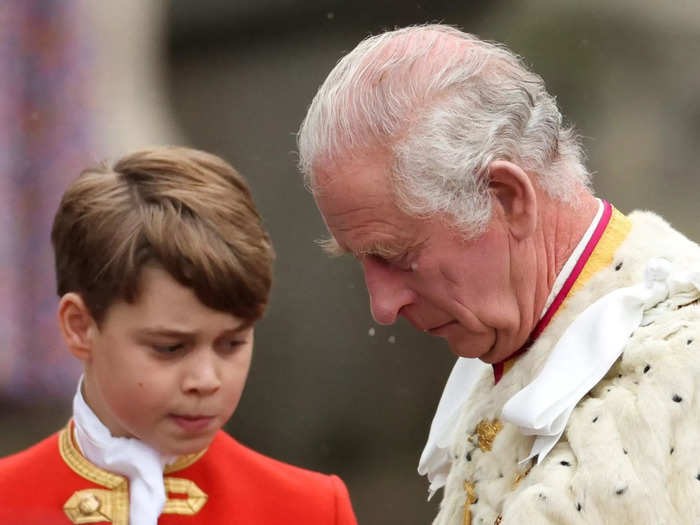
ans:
x=51 y=483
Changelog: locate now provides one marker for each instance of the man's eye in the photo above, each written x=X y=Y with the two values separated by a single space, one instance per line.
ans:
x=168 y=349
x=401 y=263
x=379 y=259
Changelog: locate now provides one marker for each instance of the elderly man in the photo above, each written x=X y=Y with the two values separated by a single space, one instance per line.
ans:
x=441 y=163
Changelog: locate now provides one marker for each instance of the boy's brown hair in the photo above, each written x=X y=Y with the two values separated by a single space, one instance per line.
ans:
x=186 y=210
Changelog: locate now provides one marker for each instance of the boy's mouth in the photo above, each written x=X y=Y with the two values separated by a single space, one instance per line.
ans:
x=192 y=423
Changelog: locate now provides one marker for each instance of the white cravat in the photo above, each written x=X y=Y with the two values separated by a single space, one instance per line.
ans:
x=435 y=459
x=126 y=456
x=588 y=349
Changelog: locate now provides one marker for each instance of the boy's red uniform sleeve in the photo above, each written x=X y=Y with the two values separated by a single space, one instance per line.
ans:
x=344 y=512
x=229 y=484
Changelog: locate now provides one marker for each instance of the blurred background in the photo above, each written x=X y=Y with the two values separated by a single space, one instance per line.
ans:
x=328 y=390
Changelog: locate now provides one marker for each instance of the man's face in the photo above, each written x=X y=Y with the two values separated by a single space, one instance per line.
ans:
x=167 y=369
x=422 y=269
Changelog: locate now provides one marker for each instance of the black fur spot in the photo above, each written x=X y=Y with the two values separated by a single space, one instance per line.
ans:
x=618 y=267
x=677 y=398
x=565 y=463
x=646 y=369
x=595 y=419
x=621 y=491
x=624 y=451
x=578 y=507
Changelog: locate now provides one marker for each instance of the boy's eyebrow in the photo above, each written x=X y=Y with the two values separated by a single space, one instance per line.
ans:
x=174 y=332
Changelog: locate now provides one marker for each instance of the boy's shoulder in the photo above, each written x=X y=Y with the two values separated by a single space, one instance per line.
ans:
x=264 y=489
x=240 y=459
x=34 y=484
x=43 y=457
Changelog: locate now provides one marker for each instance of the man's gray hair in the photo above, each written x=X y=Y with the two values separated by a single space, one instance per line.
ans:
x=444 y=104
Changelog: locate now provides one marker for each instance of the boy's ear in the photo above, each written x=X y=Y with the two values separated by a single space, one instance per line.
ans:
x=515 y=193
x=77 y=325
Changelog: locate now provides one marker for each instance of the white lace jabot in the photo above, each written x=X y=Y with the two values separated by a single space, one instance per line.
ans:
x=130 y=457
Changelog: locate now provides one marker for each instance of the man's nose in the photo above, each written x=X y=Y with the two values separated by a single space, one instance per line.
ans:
x=202 y=373
x=388 y=292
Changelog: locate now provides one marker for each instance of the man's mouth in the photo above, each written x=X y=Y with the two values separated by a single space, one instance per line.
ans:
x=437 y=330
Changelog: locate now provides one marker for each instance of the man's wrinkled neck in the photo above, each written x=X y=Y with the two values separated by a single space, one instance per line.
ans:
x=564 y=224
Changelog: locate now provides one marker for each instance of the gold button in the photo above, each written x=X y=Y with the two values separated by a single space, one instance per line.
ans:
x=89 y=504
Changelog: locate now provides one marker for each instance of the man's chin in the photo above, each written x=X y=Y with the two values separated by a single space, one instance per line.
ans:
x=472 y=352
x=461 y=348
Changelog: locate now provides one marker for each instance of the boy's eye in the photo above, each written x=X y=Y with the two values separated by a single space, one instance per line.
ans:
x=233 y=344
x=168 y=349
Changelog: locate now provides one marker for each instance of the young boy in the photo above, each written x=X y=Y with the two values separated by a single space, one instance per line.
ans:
x=163 y=267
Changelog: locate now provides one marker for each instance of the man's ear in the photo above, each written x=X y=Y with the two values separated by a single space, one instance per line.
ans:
x=515 y=193
x=77 y=326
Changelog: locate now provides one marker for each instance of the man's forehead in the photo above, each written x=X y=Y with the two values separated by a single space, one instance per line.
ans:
x=351 y=167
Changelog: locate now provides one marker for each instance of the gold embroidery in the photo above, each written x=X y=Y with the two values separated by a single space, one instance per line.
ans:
x=75 y=460
x=520 y=475
x=183 y=462
x=90 y=506
x=471 y=498
x=196 y=498
x=487 y=432
x=99 y=505
x=113 y=504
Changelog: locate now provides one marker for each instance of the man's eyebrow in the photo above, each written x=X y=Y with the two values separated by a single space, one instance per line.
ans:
x=386 y=251
x=382 y=250
x=331 y=247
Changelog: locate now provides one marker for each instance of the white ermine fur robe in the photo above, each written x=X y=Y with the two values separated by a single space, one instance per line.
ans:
x=630 y=453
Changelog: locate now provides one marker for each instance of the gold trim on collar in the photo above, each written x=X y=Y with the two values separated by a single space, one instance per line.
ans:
x=183 y=462
x=196 y=498
x=100 y=505
x=93 y=505
x=76 y=461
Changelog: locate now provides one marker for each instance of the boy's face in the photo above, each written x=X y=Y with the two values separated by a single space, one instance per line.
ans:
x=166 y=369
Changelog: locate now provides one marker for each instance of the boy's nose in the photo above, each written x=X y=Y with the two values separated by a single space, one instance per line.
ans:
x=202 y=375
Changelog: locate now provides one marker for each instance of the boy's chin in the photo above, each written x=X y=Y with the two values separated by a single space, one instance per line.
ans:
x=184 y=447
